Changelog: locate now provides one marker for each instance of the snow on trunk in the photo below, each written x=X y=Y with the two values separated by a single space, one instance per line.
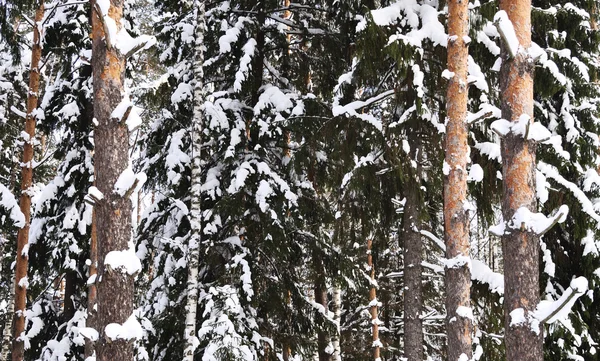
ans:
x=18 y=347
x=520 y=245
x=459 y=319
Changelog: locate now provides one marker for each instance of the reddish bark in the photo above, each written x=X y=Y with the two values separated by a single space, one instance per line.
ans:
x=456 y=221
x=520 y=248
x=25 y=198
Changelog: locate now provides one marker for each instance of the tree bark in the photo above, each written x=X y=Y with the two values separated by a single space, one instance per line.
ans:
x=337 y=317
x=520 y=248
x=111 y=158
x=373 y=307
x=321 y=298
x=191 y=341
x=8 y=326
x=92 y=290
x=456 y=221
x=413 y=290
x=18 y=347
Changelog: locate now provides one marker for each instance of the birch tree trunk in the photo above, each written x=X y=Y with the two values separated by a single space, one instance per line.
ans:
x=111 y=158
x=191 y=341
x=18 y=347
x=413 y=291
x=520 y=248
x=456 y=221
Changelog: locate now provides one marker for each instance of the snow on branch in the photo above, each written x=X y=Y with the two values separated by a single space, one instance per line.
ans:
x=125 y=261
x=523 y=126
x=128 y=182
x=126 y=112
x=8 y=201
x=482 y=273
x=350 y=109
x=120 y=39
x=507 y=32
x=527 y=221
x=549 y=311
x=438 y=242
x=551 y=172
x=129 y=330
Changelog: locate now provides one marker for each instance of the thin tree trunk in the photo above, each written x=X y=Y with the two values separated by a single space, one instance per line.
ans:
x=18 y=348
x=111 y=158
x=413 y=291
x=8 y=326
x=337 y=317
x=69 y=293
x=321 y=298
x=191 y=341
x=456 y=221
x=520 y=248
x=92 y=290
x=373 y=303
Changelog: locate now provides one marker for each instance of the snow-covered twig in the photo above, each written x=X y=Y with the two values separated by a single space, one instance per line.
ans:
x=480 y=117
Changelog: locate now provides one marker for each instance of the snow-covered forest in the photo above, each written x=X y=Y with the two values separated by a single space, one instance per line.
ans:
x=297 y=180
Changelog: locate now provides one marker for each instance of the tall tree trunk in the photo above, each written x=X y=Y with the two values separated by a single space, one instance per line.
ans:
x=321 y=298
x=373 y=303
x=337 y=317
x=111 y=158
x=18 y=347
x=456 y=221
x=191 y=341
x=520 y=247
x=69 y=295
x=413 y=291
x=92 y=290
x=8 y=326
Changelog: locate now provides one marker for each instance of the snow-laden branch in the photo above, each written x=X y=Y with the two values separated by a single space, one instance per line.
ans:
x=507 y=32
x=527 y=221
x=551 y=172
x=551 y=311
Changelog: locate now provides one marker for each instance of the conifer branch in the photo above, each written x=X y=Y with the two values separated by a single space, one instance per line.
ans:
x=562 y=305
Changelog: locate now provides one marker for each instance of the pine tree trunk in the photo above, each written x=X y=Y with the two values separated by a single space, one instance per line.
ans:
x=456 y=221
x=18 y=347
x=92 y=291
x=114 y=211
x=413 y=292
x=191 y=341
x=373 y=308
x=520 y=248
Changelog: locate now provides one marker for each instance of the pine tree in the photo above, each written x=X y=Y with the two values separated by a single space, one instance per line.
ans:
x=459 y=314
x=118 y=263
x=520 y=244
x=21 y=281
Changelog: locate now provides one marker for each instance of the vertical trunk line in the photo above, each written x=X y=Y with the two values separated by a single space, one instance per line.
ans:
x=18 y=347
x=191 y=340
x=413 y=289
x=92 y=290
x=456 y=221
x=115 y=287
x=373 y=303
x=520 y=248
